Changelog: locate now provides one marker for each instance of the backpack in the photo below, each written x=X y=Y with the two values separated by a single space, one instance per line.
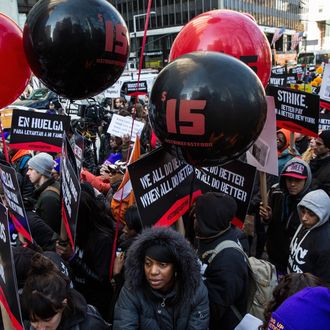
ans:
x=262 y=279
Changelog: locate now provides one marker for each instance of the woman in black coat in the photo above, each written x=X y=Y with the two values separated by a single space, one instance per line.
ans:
x=163 y=287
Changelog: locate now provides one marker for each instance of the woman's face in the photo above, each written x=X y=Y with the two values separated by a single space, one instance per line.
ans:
x=49 y=324
x=160 y=275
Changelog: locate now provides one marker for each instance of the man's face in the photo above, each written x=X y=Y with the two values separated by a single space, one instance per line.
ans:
x=34 y=176
x=294 y=185
x=308 y=218
x=320 y=148
x=280 y=139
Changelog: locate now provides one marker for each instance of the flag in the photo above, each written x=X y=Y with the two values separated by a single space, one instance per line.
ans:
x=296 y=38
x=277 y=35
x=124 y=196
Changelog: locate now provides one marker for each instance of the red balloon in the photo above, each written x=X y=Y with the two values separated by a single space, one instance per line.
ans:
x=14 y=69
x=228 y=32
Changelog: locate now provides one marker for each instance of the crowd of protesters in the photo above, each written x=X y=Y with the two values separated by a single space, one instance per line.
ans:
x=163 y=278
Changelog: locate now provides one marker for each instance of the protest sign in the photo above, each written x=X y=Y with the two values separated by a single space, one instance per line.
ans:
x=165 y=187
x=8 y=284
x=37 y=131
x=132 y=88
x=78 y=151
x=161 y=185
x=14 y=201
x=278 y=76
x=120 y=126
x=70 y=192
x=324 y=122
x=295 y=74
x=235 y=179
x=263 y=153
x=325 y=86
x=296 y=111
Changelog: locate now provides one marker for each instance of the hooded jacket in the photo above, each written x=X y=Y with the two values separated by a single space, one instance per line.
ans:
x=284 y=155
x=285 y=219
x=226 y=278
x=310 y=248
x=140 y=307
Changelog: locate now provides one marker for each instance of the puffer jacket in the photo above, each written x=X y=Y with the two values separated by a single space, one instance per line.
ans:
x=184 y=307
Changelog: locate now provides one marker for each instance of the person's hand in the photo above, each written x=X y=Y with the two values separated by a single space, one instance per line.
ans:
x=119 y=263
x=104 y=172
x=265 y=212
x=64 y=250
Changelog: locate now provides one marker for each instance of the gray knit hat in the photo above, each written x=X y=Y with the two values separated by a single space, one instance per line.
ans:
x=42 y=163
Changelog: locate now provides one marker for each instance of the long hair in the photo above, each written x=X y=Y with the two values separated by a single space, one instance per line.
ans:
x=45 y=290
x=288 y=286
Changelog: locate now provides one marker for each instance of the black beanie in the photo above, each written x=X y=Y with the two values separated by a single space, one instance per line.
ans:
x=214 y=212
x=325 y=136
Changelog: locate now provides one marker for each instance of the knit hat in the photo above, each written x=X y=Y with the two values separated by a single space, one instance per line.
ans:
x=325 y=136
x=305 y=310
x=42 y=163
x=296 y=170
x=214 y=212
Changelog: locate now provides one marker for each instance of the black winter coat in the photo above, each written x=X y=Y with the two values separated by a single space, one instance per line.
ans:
x=321 y=174
x=185 y=307
x=226 y=279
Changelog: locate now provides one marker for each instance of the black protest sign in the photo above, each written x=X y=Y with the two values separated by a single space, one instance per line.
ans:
x=235 y=179
x=134 y=88
x=8 y=284
x=14 y=201
x=37 y=131
x=295 y=74
x=78 y=150
x=161 y=186
x=296 y=111
x=70 y=192
x=324 y=122
x=278 y=76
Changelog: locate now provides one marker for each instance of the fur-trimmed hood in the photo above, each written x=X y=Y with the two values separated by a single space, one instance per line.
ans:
x=187 y=266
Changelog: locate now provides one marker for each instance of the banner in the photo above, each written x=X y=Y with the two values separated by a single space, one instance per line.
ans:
x=70 y=192
x=162 y=186
x=278 y=76
x=296 y=111
x=37 y=131
x=14 y=201
x=121 y=125
x=8 y=284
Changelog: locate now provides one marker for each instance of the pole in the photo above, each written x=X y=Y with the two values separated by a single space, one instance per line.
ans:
x=135 y=40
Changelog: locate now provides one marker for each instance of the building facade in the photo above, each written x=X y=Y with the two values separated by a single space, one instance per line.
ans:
x=169 y=16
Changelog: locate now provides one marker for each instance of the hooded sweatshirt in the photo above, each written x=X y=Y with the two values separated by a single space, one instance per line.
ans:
x=310 y=248
x=283 y=154
x=285 y=219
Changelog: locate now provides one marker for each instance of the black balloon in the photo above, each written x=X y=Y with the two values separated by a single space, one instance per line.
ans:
x=207 y=108
x=77 y=48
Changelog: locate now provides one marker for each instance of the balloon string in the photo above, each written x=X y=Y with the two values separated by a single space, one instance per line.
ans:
x=5 y=150
x=114 y=246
